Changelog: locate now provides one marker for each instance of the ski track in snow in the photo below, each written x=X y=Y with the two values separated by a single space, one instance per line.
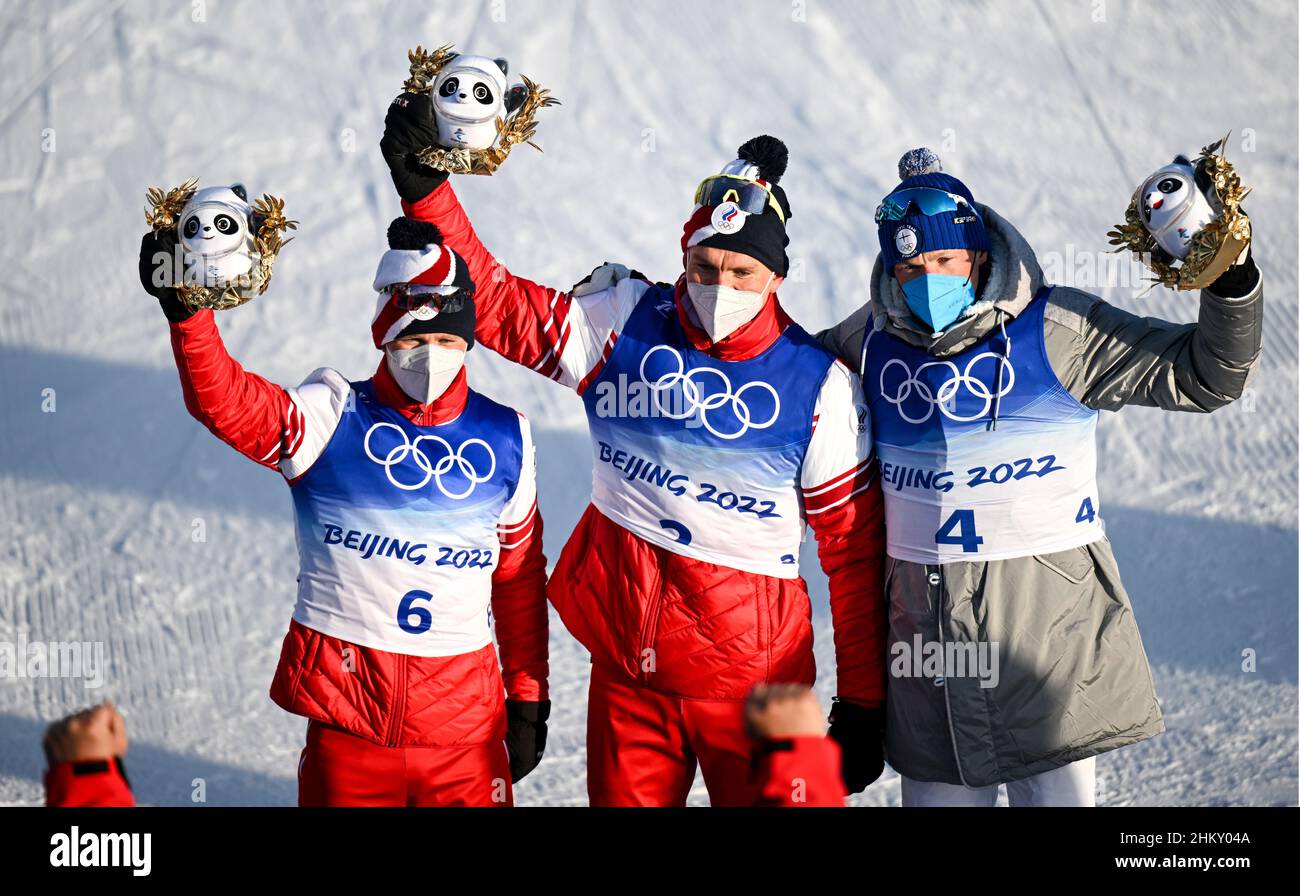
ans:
x=100 y=499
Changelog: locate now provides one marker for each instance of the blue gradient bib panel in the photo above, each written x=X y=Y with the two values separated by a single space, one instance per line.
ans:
x=396 y=526
x=702 y=456
x=960 y=487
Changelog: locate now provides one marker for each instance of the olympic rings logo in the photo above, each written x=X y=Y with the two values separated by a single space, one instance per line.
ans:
x=448 y=459
x=697 y=402
x=945 y=398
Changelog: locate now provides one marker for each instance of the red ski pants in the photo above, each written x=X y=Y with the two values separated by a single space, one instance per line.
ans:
x=341 y=769
x=643 y=746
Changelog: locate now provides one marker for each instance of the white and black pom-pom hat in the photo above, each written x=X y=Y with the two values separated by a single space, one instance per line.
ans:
x=758 y=232
x=423 y=286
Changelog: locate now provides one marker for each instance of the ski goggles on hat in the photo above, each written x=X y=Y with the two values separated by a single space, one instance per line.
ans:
x=930 y=200
x=751 y=196
x=418 y=296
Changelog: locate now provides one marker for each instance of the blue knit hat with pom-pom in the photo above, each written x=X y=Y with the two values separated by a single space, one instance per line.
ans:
x=918 y=232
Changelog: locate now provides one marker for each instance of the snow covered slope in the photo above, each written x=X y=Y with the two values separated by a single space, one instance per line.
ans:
x=1051 y=118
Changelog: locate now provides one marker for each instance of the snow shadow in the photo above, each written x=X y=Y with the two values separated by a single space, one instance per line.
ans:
x=120 y=427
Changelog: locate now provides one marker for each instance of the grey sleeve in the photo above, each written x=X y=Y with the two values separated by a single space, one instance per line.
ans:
x=1107 y=357
x=845 y=338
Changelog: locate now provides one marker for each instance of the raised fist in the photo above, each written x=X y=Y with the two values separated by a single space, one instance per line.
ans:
x=158 y=262
x=408 y=128
x=95 y=733
x=782 y=711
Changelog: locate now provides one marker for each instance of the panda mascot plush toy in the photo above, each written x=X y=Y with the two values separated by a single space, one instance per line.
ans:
x=469 y=94
x=1185 y=220
x=478 y=113
x=227 y=247
x=216 y=231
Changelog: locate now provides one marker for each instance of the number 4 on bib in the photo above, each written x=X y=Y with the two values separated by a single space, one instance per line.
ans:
x=959 y=529
x=1086 y=512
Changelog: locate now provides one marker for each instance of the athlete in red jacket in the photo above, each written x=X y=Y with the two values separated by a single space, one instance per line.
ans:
x=415 y=500
x=718 y=433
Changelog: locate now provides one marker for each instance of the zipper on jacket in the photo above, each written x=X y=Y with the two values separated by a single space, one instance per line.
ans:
x=398 y=714
x=651 y=622
x=934 y=576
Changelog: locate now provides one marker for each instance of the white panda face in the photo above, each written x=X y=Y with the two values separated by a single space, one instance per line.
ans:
x=1173 y=208
x=1164 y=197
x=467 y=95
x=213 y=230
x=458 y=89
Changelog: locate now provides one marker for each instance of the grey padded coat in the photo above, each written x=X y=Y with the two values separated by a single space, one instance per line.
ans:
x=1073 y=676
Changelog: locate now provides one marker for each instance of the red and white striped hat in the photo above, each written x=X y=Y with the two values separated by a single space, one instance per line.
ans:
x=416 y=259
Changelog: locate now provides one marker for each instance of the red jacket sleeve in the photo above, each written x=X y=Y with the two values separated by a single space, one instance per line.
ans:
x=519 y=609
x=518 y=319
x=851 y=546
x=96 y=782
x=842 y=501
x=801 y=771
x=252 y=415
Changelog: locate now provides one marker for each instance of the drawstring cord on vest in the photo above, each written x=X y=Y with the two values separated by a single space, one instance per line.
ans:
x=1003 y=362
x=866 y=341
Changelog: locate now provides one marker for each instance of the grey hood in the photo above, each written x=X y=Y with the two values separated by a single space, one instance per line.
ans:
x=1014 y=279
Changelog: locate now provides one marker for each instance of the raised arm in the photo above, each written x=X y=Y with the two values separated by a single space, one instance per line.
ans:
x=521 y=320
x=250 y=414
x=1107 y=357
x=564 y=335
x=254 y=416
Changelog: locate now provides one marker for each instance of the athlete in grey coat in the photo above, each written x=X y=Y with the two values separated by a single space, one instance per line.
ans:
x=984 y=386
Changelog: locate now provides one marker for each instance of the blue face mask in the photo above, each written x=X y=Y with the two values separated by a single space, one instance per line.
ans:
x=939 y=299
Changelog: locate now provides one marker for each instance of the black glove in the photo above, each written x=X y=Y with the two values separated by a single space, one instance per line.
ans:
x=408 y=128
x=1239 y=280
x=151 y=245
x=525 y=735
x=860 y=732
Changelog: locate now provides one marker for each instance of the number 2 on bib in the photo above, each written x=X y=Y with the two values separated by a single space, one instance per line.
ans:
x=959 y=529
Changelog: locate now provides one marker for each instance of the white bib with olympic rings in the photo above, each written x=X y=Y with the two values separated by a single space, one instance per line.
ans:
x=397 y=525
x=984 y=455
x=703 y=456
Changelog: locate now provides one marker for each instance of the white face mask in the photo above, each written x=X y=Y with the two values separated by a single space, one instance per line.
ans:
x=425 y=372
x=720 y=310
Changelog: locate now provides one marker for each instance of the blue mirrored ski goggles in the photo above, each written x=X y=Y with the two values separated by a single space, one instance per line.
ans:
x=930 y=200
